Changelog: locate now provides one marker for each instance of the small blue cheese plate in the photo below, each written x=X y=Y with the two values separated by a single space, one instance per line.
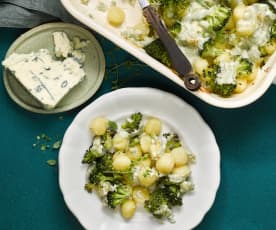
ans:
x=41 y=38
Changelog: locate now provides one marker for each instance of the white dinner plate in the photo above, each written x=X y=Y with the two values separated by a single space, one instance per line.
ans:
x=175 y=115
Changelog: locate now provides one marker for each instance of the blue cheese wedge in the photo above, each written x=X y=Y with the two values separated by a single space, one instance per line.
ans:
x=62 y=43
x=46 y=79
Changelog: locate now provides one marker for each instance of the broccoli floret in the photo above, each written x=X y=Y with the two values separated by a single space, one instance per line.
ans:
x=173 y=11
x=224 y=90
x=133 y=141
x=210 y=50
x=157 y=50
x=219 y=17
x=173 y=194
x=104 y=163
x=244 y=67
x=101 y=144
x=89 y=187
x=209 y=82
x=175 y=29
x=166 y=195
x=95 y=151
x=158 y=205
x=90 y=155
x=273 y=30
x=112 y=128
x=268 y=48
x=115 y=198
x=107 y=139
x=171 y=190
x=173 y=141
x=133 y=123
x=109 y=134
x=97 y=178
x=205 y=3
x=102 y=170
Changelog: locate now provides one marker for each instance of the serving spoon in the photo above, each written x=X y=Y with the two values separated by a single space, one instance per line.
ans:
x=180 y=62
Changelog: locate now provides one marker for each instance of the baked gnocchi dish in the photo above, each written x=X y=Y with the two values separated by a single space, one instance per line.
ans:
x=226 y=41
x=134 y=163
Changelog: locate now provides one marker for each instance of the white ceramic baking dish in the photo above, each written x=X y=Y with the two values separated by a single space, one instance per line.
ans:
x=96 y=20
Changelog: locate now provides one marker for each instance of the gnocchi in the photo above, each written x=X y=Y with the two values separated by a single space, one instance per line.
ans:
x=115 y=16
x=140 y=194
x=120 y=142
x=183 y=171
x=165 y=163
x=147 y=176
x=153 y=126
x=128 y=209
x=180 y=156
x=145 y=143
x=121 y=162
x=98 y=126
x=128 y=161
x=134 y=153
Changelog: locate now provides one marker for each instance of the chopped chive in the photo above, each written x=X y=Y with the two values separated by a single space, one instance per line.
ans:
x=51 y=162
x=56 y=145
x=43 y=147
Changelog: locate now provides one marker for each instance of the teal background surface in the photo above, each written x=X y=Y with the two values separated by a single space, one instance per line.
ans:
x=30 y=197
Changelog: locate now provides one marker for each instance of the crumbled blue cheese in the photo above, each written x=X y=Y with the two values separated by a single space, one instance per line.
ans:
x=192 y=26
x=196 y=12
x=104 y=188
x=46 y=79
x=227 y=75
x=256 y=15
x=138 y=34
x=79 y=56
x=254 y=53
x=186 y=186
x=175 y=178
x=79 y=43
x=123 y=134
x=97 y=145
x=191 y=34
x=155 y=147
x=63 y=47
x=135 y=174
x=164 y=210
